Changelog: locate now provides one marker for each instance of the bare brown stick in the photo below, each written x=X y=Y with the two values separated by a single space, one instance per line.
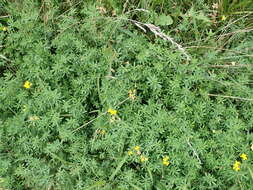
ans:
x=231 y=97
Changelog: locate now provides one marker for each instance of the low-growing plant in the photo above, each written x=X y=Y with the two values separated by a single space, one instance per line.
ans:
x=124 y=95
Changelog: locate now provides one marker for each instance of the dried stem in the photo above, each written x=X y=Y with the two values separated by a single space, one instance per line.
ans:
x=5 y=16
x=231 y=97
x=231 y=66
x=143 y=10
x=241 y=18
x=194 y=151
x=237 y=31
x=98 y=117
x=5 y=58
x=220 y=49
x=88 y=122
x=157 y=31
x=125 y=6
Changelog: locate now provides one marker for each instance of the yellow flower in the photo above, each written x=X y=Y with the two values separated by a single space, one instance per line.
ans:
x=132 y=94
x=4 y=28
x=251 y=147
x=236 y=166
x=102 y=132
x=33 y=118
x=27 y=84
x=130 y=152
x=223 y=17
x=137 y=148
x=244 y=156
x=166 y=161
x=112 y=111
x=166 y=158
x=143 y=158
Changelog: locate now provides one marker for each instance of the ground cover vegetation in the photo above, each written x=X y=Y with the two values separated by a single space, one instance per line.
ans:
x=113 y=94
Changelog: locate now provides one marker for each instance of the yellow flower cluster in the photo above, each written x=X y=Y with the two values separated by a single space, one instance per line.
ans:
x=137 y=150
x=166 y=161
x=130 y=152
x=143 y=158
x=237 y=166
x=112 y=111
x=113 y=114
x=132 y=94
x=27 y=84
x=244 y=156
x=3 y=28
x=223 y=17
x=100 y=131
x=33 y=118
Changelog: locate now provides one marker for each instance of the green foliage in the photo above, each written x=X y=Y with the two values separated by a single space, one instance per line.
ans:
x=235 y=6
x=164 y=20
x=83 y=58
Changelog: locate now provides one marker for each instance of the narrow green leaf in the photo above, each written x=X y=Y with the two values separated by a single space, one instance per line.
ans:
x=118 y=168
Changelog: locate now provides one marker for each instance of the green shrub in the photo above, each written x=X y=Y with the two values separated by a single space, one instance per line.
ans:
x=90 y=101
